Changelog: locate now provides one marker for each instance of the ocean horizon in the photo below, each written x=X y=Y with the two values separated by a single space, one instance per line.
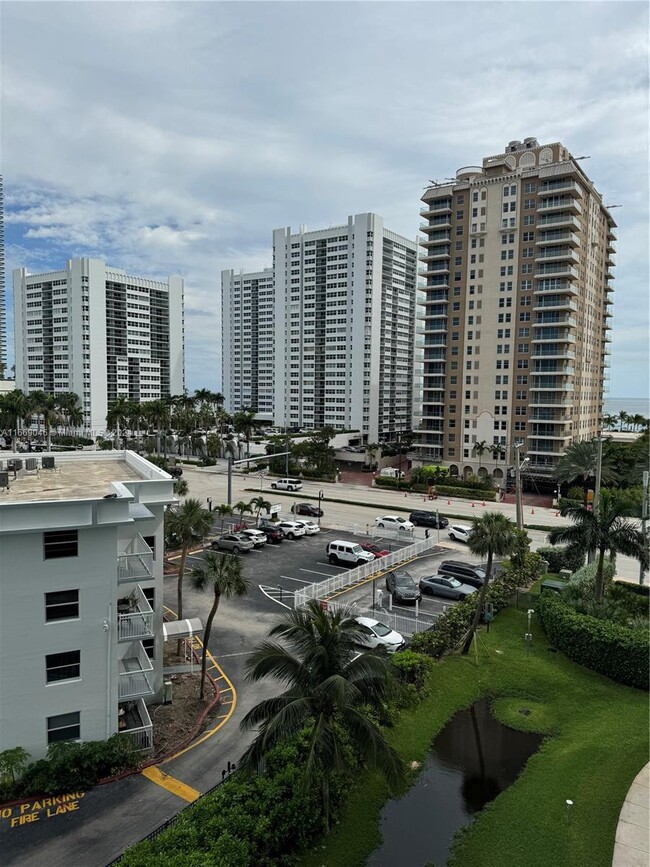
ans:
x=630 y=405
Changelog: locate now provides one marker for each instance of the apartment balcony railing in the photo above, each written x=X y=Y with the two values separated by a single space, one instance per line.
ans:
x=134 y=670
x=541 y=351
x=560 y=253
x=558 y=366
x=135 y=563
x=559 y=203
x=134 y=616
x=437 y=235
x=558 y=303
x=541 y=399
x=137 y=724
x=559 y=335
x=558 y=220
x=441 y=267
x=433 y=208
x=543 y=448
x=555 y=285
x=548 y=431
x=561 y=184
x=435 y=253
x=545 y=383
x=544 y=320
x=550 y=269
x=548 y=416
x=557 y=236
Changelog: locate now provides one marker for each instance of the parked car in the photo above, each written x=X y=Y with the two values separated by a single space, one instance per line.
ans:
x=445 y=585
x=422 y=518
x=371 y=633
x=401 y=585
x=292 y=529
x=309 y=527
x=394 y=522
x=468 y=573
x=375 y=549
x=342 y=553
x=460 y=532
x=307 y=509
x=274 y=534
x=235 y=542
x=257 y=537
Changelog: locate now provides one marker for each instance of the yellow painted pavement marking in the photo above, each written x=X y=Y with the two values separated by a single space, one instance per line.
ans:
x=176 y=787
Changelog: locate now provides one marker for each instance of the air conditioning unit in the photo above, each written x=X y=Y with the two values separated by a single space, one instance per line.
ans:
x=167 y=692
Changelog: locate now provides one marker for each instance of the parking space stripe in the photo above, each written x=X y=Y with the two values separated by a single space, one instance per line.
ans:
x=301 y=580
x=176 y=787
x=314 y=572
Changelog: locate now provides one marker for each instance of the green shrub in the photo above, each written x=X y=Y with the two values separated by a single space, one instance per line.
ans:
x=561 y=557
x=388 y=482
x=411 y=668
x=66 y=440
x=586 y=575
x=608 y=648
x=465 y=493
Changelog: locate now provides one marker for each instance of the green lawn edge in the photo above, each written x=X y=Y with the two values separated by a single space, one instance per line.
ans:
x=597 y=741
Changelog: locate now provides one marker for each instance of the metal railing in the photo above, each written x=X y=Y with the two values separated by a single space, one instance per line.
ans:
x=133 y=682
x=402 y=623
x=136 y=562
x=142 y=736
x=138 y=622
x=360 y=573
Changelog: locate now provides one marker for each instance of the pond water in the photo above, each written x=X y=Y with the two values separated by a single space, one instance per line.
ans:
x=473 y=759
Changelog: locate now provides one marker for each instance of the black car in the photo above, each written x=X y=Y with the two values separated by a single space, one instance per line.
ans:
x=307 y=509
x=468 y=573
x=402 y=586
x=273 y=533
x=422 y=518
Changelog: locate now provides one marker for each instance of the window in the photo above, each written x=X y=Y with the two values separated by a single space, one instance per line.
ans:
x=529 y=204
x=61 y=605
x=60 y=543
x=64 y=727
x=62 y=666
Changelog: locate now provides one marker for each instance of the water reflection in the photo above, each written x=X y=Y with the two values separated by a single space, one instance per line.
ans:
x=473 y=759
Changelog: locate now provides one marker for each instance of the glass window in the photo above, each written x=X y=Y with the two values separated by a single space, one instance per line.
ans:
x=64 y=727
x=60 y=543
x=61 y=605
x=62 y=666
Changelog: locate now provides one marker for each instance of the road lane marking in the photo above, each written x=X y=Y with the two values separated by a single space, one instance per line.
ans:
x=314 y=572
x=301 y=580
x=176 y=787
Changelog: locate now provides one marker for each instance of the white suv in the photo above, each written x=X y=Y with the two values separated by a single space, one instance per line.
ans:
x=287 y=485
x=347 y=553
x=291 y=529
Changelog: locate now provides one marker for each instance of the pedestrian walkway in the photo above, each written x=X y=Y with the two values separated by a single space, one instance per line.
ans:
x=632 y=848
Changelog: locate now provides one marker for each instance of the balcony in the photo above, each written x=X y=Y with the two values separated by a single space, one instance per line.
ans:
x=551 y=269
x=541 y=400
x=432 y=271
x=443 y=206
x=559 y=335
x=437 y=235
x=565 y=184
x=134 y=616
x=436 y=253
x=134 y=671
x=554 y=319
x=559 y=203
x=135 y=723
x=557 y=220
x=136 y=562
x=551 y=352
x=554 y=383
x=557 y=253
x=558 y=236
x=554 y=284
x=559 y=303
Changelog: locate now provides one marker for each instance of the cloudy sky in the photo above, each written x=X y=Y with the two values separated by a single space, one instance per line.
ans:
x=174 y=137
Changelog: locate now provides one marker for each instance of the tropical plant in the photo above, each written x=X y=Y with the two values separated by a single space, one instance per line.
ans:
x=605 y=528
x=119 y=412
x=579 y=464
x=47 y=408
x=259 y=503
x=188 y=524
x=242 y=507
x=12 y=765
x=492 y=534
x=244 y=423
x=181 y=487
x=326 y=683
x=480 y=448
x=223 y=574
x=15 y=407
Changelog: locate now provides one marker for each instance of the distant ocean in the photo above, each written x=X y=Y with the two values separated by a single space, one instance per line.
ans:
x=630 y=405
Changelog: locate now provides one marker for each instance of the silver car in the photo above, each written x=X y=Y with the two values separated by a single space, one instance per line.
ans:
x=234 y=542
x=445 y=585
x=257 y=537
x=292 y=529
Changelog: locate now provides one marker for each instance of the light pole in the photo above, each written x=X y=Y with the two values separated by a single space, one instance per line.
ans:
x=644 y=519
x=591 y=555
x=320 y=500
x=518 y=467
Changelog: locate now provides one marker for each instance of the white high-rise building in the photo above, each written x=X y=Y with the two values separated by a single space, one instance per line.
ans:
x=331 y=343
x=99 y=332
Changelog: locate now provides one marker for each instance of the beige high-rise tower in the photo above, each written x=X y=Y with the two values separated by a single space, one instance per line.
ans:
x=514 y=317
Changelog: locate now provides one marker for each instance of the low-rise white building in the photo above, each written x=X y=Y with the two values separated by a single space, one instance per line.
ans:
x=81 y=597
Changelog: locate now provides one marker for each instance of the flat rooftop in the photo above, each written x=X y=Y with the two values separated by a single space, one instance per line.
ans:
x=73 y=479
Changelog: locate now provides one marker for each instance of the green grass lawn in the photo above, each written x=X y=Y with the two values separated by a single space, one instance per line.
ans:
x=597 y=742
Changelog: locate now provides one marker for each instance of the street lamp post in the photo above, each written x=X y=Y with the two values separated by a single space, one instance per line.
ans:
x=644 y=520
x=320 y=500
x=518 y=504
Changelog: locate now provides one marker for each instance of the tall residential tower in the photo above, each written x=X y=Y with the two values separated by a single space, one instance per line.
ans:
x=518 y=259
x=98 y=332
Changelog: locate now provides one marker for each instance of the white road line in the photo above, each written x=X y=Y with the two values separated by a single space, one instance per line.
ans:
x=289 y=578
x=314 y=572
x=332 y=566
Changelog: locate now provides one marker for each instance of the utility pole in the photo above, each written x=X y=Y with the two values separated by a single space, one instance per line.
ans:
x=644 y=520
x=518 y=505
x=591 y=555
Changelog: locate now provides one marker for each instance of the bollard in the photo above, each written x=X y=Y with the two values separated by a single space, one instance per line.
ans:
x=449 y=502
x=483 y=503
x=532 y=511
x=472 y=505
x=557 y=514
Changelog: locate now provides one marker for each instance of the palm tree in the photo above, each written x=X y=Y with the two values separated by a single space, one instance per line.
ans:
x=242 y=507
x=222 y=511
x=371 y=448
x=46 y=405
x=326 y=685
x=224 y=574
x=244 y=423
x=609 y=421
x=579 y=463
x=189 y=524
x=492 y=534
x=623 y=418
x=602 y=529
x=118 y=413
x=181 y=487
x=15 y=408
x=259 y=503
x=480 y=449
x=213 y=445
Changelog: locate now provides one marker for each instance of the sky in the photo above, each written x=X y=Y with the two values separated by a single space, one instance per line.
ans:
x=174 y=137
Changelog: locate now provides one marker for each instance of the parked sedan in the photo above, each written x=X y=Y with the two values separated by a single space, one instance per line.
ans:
x=257 y=537
x=460 y=532
x=444 y=585
x=235 y=542
x=394 y=522
x=371 y=633
x=375 y=549
x=309 y=527
x=422 y=518
x=292 y=529
x=402 y=587
x=307 y=509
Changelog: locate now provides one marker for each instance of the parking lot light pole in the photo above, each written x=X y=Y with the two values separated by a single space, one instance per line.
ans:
x=320 y=500
x=438 y=522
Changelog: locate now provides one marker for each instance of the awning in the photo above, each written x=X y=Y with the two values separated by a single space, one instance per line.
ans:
x=182 y=628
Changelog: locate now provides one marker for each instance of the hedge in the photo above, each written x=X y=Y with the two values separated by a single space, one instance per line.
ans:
x=463 y=493
x=616 y=651
x=561 y=557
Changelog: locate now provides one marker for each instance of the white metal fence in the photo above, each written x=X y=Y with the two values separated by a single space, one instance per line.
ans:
x=354 y=576
x=405 y=624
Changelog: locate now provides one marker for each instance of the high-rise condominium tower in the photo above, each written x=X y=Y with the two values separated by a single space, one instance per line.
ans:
x=3 y=309
x=517 y=258
x=98 y=332
x=326 y=337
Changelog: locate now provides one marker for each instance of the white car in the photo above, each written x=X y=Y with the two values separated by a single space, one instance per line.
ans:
x=394 y=522
x=460 y=532
x=291 y=529
x=373 y=634
x=257 y=537
x=310 y=528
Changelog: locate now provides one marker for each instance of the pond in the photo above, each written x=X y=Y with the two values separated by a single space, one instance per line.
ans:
x=473 y=759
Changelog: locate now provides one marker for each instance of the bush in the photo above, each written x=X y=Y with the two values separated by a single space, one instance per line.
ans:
x=561 y=557
x=411 y=668
x=586 y=575
x=616 y=651
x=208 y=462
x=388 y=482
x=65 y=440
x=466 y=493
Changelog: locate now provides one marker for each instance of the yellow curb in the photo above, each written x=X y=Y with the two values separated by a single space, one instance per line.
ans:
x=181 y=790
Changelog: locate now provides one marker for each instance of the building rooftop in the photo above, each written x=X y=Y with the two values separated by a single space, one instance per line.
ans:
x=77 y=476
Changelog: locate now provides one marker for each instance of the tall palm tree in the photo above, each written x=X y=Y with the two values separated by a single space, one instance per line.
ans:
x=242 y=507
x=326 y=685
x=189 y=524
x=223 y=574
x=602 y=529
x=117 y=416
x=15 y=409
x=492 y=534
x=244 y=423
x=579 y=464
x=371 y=449
x=480 y=449
x=222 y=511
x=623 y=418
x=47 y=407
x=213 y=445
x=259 y=503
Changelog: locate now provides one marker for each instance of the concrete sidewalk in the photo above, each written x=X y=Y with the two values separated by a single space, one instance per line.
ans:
x=632 y=846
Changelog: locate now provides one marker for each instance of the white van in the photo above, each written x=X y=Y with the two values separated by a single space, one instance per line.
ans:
x=347 y=553
x=287 y=485
x=391 y=473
